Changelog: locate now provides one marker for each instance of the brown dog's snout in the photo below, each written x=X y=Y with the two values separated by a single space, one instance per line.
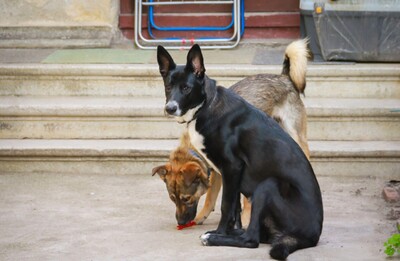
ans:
x=185 y=214
x=183 y=219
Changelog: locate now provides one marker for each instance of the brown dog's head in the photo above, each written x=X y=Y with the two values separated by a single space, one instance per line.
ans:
x=186 y=183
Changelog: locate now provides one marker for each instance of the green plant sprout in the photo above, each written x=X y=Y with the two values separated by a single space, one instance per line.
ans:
x=392 y=245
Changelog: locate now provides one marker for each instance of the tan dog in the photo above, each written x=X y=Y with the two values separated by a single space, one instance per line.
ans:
x=188 y=178
x=186 y=175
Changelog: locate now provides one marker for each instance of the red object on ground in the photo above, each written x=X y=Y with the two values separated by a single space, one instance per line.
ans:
x=190 y=224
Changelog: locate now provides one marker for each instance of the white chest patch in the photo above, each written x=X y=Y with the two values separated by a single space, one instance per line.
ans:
x=188 y=116
x=197 y=141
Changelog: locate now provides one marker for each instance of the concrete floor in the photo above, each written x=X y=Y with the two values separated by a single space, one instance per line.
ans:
x=129 y=217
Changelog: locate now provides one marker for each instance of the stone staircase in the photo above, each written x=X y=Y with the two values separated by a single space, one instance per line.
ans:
x=109 y=118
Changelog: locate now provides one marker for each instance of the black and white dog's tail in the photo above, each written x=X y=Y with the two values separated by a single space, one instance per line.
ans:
x=284 y=245
x=295 y=63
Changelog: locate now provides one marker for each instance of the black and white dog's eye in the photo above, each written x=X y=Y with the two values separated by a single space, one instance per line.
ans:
x=168 y=88
x=185 y=89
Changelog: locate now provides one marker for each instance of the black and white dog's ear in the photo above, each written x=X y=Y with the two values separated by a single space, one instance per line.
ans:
x=165 y=61
x=195 y=61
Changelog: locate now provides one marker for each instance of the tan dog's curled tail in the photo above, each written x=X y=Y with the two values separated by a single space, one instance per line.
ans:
x=295 y=63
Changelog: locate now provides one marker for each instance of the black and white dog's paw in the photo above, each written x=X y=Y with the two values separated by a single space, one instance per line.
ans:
x=205 y=239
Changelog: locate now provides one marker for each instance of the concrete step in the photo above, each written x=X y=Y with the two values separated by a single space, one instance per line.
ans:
x=353 y=119
x=337 y=80
x=143 y=118
x=340 y=158
x=85 y=118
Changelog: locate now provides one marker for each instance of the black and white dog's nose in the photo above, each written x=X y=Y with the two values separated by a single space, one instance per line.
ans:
x=171 y=108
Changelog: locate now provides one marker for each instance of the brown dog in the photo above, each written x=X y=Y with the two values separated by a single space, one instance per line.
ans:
x=188 y=178
x=186 y=175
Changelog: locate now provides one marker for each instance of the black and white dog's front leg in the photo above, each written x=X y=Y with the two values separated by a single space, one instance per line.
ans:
x=266 y=198
x=228 y=240
x=230 y=201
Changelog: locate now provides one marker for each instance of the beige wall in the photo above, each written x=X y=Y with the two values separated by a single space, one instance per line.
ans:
x=58 y=23
x=23 y=13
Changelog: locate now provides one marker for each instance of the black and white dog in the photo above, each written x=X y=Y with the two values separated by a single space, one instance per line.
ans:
x=253 y=154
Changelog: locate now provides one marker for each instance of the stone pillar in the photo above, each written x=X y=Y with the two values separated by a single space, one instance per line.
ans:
x=58 y=23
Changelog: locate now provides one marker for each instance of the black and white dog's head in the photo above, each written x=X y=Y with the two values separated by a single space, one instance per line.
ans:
x=184 y=84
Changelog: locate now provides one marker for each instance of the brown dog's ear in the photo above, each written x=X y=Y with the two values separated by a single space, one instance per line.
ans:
x=165 y=61
x=195 y=62
x=161 y=171
x=190 y=172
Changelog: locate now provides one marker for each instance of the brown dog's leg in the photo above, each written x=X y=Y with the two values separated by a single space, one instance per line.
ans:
x=211 y=198
x=302 y=141
x=304 y=146
x=301 y=132
x=297 y=129
x=246 y=213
